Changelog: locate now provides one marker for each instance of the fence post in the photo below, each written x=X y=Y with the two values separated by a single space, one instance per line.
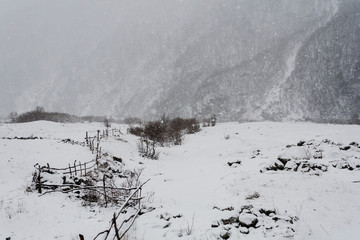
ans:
x=39 y=180
x=105 y=197
x=80 y=169
x=85 y=168
x=75 y=168
x=70 y=170
x=140 y=197
x=98 y=135
x=87 y=138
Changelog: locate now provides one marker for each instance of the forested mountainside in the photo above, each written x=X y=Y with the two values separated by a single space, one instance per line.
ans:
x=327 y=72
x=239 y=59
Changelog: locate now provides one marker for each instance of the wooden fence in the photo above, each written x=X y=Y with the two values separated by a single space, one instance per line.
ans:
x=118 y=229
x=130 y=197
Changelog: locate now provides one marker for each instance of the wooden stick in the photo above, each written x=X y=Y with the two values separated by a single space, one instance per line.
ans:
x=115 y=227
x=75 y=168
x=121 y=209
x=63 y=169
x=80 y=170
x=105 y=190
x=86 y=168
x=39 y=180
x=88 y=187
x=130 y=196
x=132 y=223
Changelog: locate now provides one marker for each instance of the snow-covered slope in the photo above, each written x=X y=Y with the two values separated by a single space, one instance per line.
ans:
x=250 y=59
x=193 y=191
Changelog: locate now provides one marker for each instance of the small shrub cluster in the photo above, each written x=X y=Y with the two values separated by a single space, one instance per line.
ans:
x=163 y=132
x=169 y=131
x=136 y=130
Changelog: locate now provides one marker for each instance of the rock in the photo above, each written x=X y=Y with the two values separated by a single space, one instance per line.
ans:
x=228 y=209
x=271 y=168
x=279 y=165
x=301 y=143
x=215 y=224
x=290 y=165
x=225 y=235
x=305 y=167
x=230 y=220
x=267 y=212
x=283 y=160
x=342 y=165
x=232 y=163
x=345 y=148
x=244 y=230
x=355 y=144
x=117 y=159
x=248 y=220
x=246 y=208
x=295 y=153
x=165 y=216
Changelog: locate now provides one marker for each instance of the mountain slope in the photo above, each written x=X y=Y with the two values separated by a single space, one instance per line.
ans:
x=325 y=84
x=242 y=60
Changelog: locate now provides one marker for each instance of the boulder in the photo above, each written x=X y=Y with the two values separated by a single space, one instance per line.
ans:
x=248 y=220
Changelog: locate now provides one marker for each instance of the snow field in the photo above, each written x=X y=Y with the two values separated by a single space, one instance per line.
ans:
x=192 y=186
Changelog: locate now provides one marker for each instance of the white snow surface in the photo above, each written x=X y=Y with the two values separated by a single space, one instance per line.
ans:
x=189 y=185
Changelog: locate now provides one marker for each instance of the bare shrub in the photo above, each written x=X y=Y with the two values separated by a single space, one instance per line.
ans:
x=147 y=149
x=107 y=122
x=137 y=131
x=189 y=228
x=163 y=132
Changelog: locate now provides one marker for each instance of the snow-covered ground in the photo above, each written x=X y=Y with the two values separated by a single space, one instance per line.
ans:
x=194 y=191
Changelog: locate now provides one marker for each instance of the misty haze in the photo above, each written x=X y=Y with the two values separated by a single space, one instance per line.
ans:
x=179 y=119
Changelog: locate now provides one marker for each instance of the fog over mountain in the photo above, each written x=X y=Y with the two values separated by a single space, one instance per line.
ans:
x=239 y=59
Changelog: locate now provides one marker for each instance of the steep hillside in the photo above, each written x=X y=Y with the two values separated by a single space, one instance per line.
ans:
x=325 y=84
x=242 y=60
